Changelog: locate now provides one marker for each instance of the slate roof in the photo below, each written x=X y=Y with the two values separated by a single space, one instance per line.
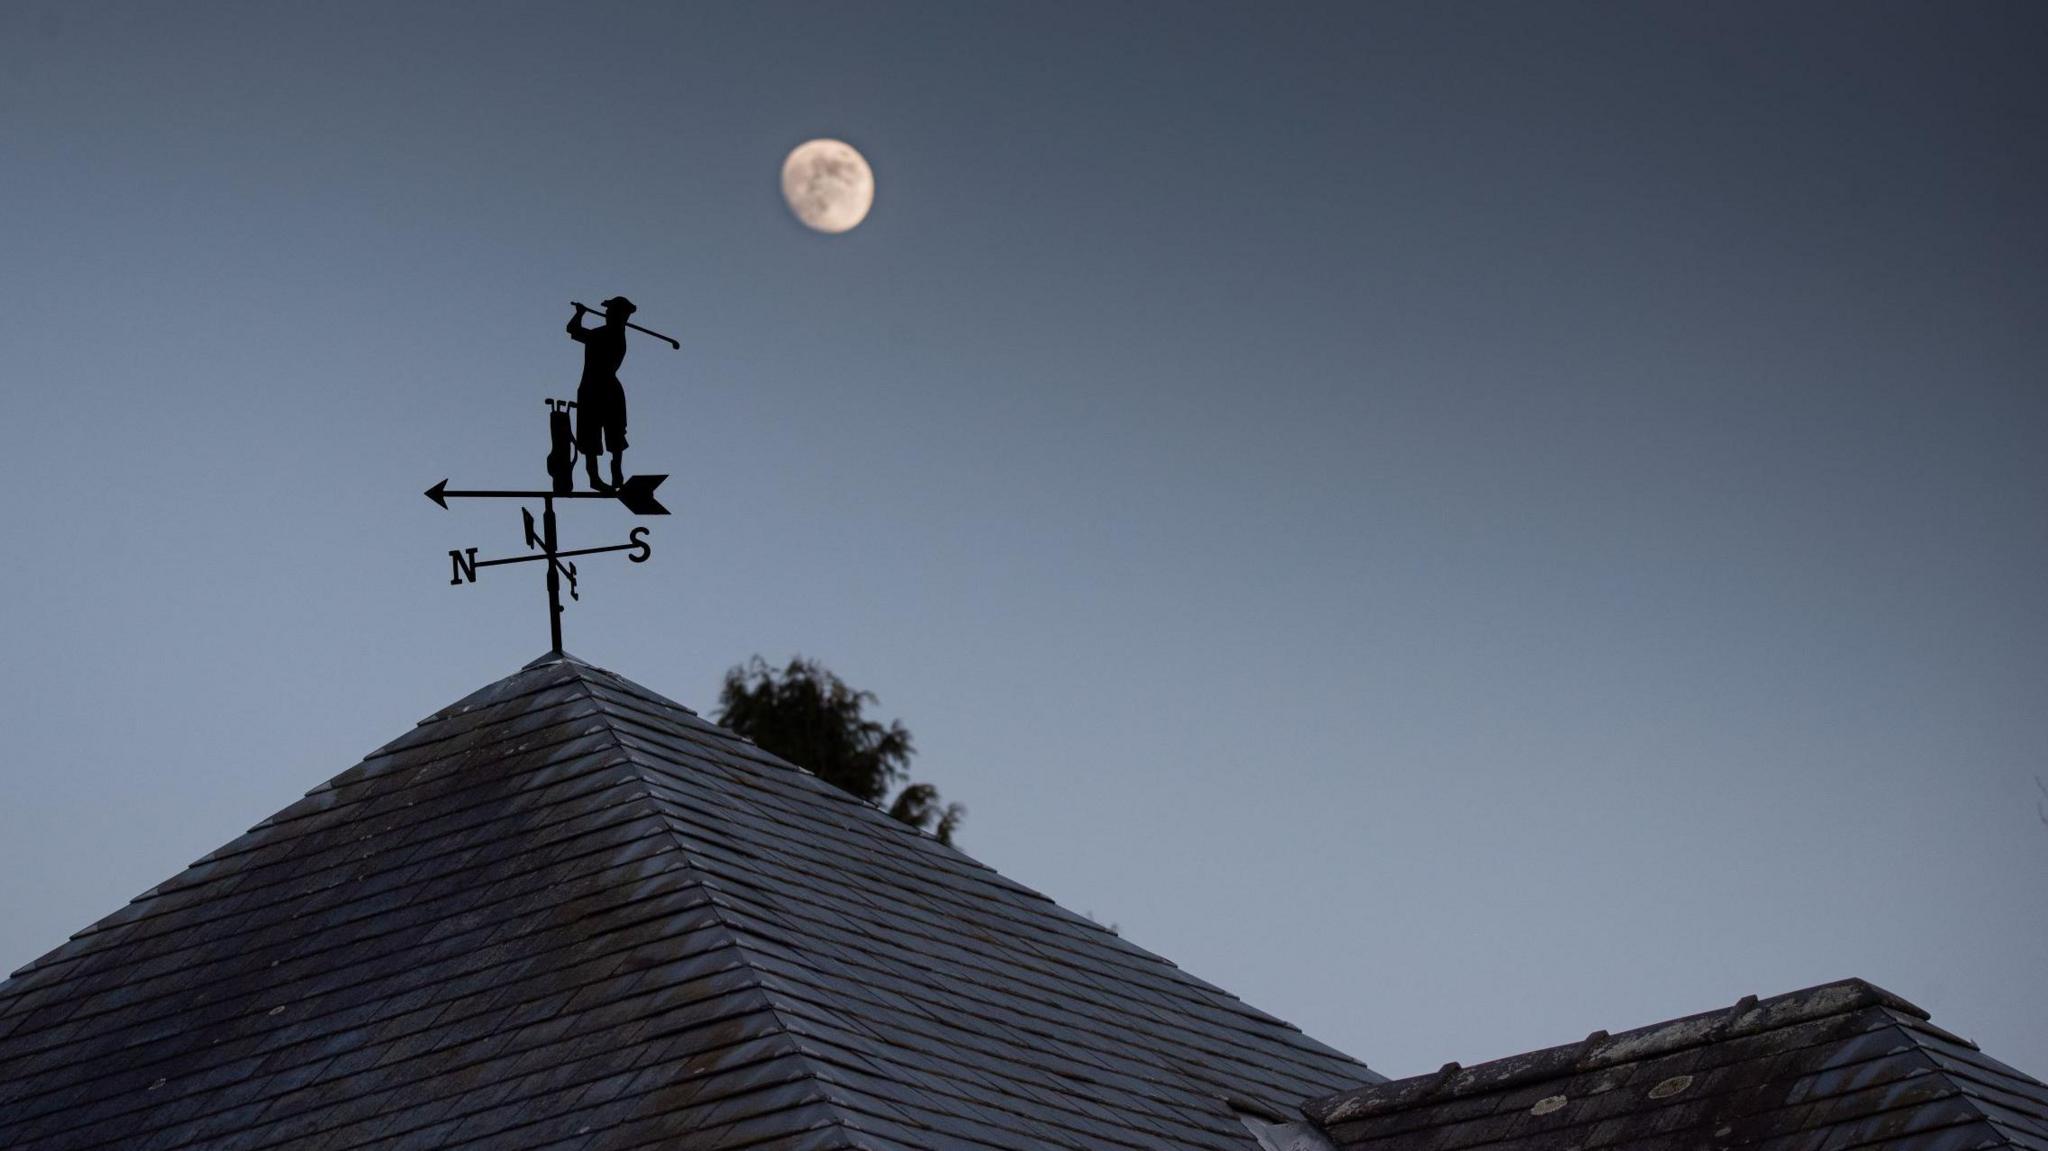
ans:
x=1831 y=1068
x=567 y=913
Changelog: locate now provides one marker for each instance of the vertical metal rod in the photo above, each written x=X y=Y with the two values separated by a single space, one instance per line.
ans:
x=547 y=544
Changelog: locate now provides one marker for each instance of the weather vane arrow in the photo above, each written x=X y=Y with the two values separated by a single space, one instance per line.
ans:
x=637 y=493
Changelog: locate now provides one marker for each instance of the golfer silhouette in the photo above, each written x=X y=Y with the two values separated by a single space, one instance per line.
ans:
x=600 y=398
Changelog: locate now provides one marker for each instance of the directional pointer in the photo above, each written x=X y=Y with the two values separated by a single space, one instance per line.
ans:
x=637 y=493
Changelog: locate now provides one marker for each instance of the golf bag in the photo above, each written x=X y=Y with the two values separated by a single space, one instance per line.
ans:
x=561 y=447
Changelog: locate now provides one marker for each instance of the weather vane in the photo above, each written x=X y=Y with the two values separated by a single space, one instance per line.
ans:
x=600 y=426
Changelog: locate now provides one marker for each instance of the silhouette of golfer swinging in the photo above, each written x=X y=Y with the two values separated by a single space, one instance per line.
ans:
x=600 y=398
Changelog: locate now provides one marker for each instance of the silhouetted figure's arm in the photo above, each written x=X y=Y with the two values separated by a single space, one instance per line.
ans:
x=576 y=328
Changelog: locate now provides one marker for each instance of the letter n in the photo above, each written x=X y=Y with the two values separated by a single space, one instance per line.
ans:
x=464 y=562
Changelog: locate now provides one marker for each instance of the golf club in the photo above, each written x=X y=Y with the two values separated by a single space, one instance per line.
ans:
x=599 y=312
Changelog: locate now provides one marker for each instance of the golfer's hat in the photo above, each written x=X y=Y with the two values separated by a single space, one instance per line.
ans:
x=619 y=305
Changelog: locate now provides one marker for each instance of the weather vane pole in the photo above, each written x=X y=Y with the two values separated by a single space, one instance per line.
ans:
x=600 y=424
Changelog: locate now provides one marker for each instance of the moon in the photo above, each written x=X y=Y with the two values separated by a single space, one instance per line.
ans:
x=828 y=184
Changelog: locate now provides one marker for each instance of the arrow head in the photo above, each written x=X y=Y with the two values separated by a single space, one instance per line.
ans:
x=637 y=493
x=435 y=493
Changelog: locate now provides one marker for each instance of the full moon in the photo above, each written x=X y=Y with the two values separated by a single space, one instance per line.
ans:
x=828 y=185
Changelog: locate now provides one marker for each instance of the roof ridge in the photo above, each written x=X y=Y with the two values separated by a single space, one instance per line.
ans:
x=693 y=875
x=1845 y=1065
x=142 y=908
x=1748 y=1016
x=631 y=703
x=290 y=986
x=1133 y=955
x=166 y=1064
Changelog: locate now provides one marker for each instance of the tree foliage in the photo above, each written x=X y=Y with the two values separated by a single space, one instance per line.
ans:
x=808 y=716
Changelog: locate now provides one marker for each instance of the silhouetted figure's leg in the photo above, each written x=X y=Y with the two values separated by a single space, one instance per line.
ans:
x=590 y=466
x=619 y=468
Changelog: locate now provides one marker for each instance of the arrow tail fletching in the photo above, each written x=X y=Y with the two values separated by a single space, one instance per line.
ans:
x=637 y=494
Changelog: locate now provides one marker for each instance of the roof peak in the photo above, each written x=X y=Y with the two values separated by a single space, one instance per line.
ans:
x=555 y=667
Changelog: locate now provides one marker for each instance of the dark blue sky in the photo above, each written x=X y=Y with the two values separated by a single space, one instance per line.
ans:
x=1463 y=524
